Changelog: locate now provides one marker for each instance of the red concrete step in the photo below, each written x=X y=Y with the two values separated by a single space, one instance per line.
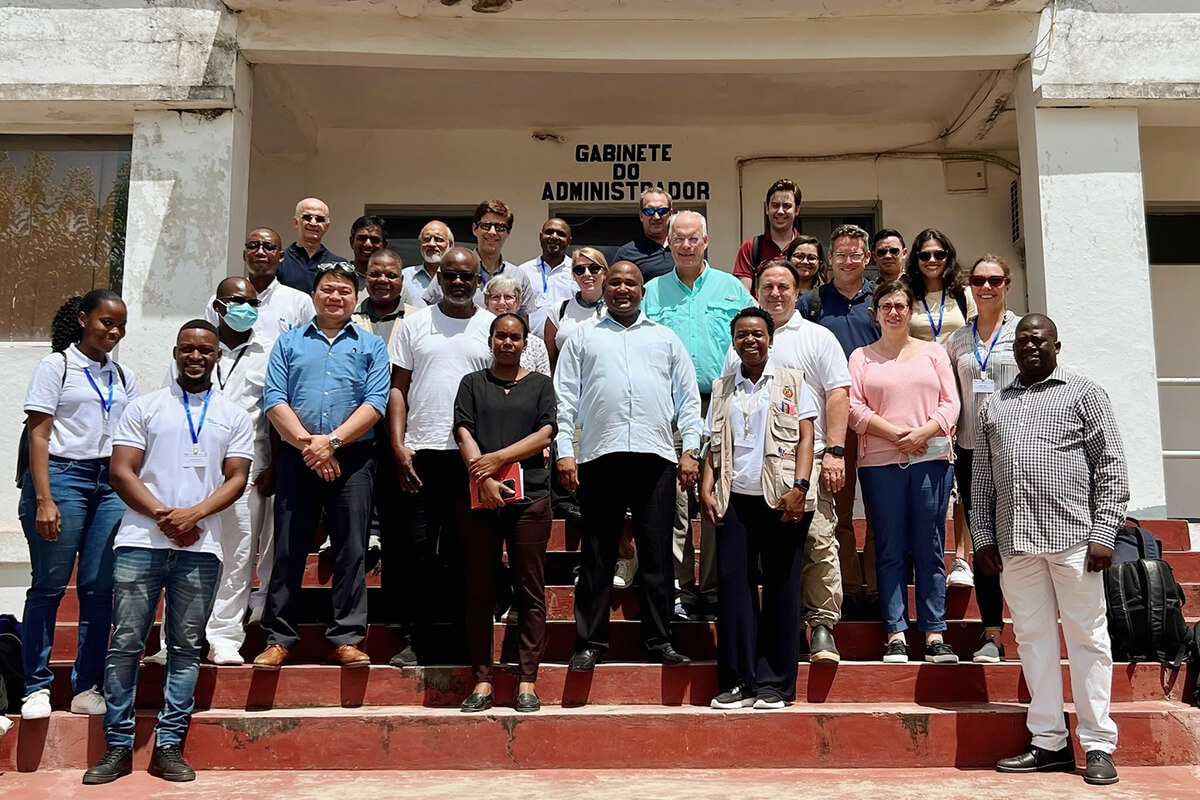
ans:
x=603 y=737
x=306 y=685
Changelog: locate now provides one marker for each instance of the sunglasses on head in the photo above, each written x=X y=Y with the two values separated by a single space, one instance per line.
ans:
x=887 y=251
x=266 y=247
x=579 y=269
x=313 y=217
x=935 y=255
x=652 y=212
x=990 y=280
x=341 y=267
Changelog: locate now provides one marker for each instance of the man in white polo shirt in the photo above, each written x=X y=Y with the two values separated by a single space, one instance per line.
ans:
x=432 y=350
x=180 y=456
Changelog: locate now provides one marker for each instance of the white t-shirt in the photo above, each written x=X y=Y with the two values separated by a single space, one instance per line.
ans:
x=550 y=288
x=157 y=425
x=571 y=318
x=79 y=431
x=800 y=344
x=439 y=350
x=280 y=308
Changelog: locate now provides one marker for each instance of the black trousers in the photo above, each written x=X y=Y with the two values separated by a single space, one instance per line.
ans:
x=428 y=579
x=524 y=529
x=644 y=484
x=300 y=496
x=987 y=587
x=759 y=646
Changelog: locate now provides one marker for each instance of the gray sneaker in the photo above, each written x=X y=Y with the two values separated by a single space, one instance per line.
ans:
x=991 y=652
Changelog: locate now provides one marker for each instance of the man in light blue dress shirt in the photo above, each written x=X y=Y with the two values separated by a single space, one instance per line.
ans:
x=627 y=381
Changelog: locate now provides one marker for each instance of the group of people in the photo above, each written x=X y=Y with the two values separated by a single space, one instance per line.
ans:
x=450 y=409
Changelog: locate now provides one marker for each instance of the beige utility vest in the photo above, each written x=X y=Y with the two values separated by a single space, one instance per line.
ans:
x=782 y=439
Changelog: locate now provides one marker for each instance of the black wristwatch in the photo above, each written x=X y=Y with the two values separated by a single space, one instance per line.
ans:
x=836 y=450
x=802 y=483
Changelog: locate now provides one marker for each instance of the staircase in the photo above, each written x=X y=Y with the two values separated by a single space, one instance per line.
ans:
x=628 y=714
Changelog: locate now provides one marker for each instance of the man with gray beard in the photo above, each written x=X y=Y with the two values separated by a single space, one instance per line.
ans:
x=434 y=240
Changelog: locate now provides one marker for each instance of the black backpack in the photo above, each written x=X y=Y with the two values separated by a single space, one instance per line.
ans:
x=1145 y=603
x=12 y=674
x=23 y=443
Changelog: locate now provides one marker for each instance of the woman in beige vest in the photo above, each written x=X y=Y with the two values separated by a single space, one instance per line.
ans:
x=755 y=488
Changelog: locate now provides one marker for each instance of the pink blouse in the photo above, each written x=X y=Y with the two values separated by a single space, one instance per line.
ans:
x=905 y=393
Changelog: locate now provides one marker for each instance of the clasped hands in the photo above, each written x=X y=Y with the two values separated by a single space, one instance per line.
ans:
x=179 y=524
x=911 y=441
x=491 y=492
x=318 y=456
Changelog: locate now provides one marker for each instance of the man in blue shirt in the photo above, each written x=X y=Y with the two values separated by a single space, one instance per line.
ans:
x=327 y=386
x=698 y=302
x=844 y=307
x=648 y=250
x=298 y=267
x=627 y=381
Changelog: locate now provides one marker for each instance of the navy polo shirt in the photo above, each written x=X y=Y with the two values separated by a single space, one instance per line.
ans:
x=652 y=258
x=850 y=319
x=299 y=271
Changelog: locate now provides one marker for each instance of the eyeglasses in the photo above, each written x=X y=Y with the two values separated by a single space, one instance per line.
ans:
x=498 y=227
x=656 y=212
x=433 y=240
x=313 y=217
x=579 y=269
x=887 y=308
x=342 y=267
x=266 y=247
x=690 y=240
x=853 y=258
x=882 y=252
x=451 y=277
x=805 y=258
x=512 y=298
x=242 y=301
x=990 y=280
x=936 y=255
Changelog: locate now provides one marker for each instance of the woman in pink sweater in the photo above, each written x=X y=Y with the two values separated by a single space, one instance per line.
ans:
x=903 y=406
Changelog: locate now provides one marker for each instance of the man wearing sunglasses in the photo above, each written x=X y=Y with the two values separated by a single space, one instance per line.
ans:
x=780 y=209
x=298 y=267
x=649 y=248
x=890 y=253
x=280 y=308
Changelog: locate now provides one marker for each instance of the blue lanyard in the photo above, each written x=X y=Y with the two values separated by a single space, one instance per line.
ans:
x=104 y=407
x=937 y=329
x=542 y=265
x=975 y=343
x=192 y=429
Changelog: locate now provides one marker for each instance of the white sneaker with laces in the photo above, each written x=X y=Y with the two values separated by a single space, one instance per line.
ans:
x=626 y=569
x=36 y=705
x=89 y=701
x=960 y=574
x=225 y=655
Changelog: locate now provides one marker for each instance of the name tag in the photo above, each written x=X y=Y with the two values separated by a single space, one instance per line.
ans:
x=105 y=425
x=195 y=459
x=983 y=386
x=743 y=438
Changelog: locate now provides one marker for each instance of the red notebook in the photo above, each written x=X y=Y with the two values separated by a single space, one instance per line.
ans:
x=512 y=476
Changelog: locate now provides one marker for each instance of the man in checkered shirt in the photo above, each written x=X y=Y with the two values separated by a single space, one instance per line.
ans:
x=1049 y=492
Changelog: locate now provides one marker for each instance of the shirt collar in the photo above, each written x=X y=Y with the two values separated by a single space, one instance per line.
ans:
x=641 y=320
x=1057 y=376
x=648 y=245
x=767 y=374
x=349 y=329
x=365 y=307
x=698 y=284
x=76 y=355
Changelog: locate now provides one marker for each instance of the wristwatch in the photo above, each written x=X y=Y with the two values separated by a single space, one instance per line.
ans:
x=694 y=453
x=334 y=441
x=802 y=483
x=836 y=450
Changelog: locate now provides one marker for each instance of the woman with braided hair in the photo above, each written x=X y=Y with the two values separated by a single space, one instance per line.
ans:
x=68 y=510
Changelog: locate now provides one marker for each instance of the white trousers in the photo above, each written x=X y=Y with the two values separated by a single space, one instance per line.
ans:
x=1039 y=590
x=247 y=542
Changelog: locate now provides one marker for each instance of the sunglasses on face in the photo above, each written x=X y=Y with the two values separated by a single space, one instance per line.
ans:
x=498 y=227
x=451 y=277
x=935 y=255
x=990 y=280
x=579 y=269
x=656 y=212
x=266 y=247
x=244 y=301
x=318 y=218
x=883 y=252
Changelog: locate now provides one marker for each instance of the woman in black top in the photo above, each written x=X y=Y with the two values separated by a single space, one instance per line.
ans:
x=505 y=414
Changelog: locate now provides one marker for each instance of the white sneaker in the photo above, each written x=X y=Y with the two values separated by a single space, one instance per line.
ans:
x=626 y=569
x=36 y=705
x=326 y=547
x=89 y=702
x=5 y=725
x=960 y=574
x=159 y=658
x=225 y=656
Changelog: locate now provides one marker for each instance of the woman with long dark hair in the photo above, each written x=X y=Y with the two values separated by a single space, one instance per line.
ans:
x=943 y=303
x=68 y=510
x=808 y=257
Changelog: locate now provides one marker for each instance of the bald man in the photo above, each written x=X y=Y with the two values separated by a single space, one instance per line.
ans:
x=298 y=268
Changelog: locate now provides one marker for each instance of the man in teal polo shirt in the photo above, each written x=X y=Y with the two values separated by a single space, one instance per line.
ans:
x=697 y=302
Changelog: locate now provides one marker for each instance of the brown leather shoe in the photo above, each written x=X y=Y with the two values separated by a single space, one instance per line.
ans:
x=271 y=658
x=350 y=656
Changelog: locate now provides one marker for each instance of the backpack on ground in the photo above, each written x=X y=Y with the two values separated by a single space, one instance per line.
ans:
x=1145 y=603
x=12 y=674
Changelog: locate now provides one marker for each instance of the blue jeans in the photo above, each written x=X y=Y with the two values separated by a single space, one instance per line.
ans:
x=141 y=574
x=91 y=513
x=908 y=512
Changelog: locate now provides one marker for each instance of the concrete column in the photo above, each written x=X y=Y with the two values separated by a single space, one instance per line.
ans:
x=189 y=173
x=1084 y=222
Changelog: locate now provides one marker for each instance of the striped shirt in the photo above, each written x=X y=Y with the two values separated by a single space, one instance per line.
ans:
x=1049 y=470
x=962 y=347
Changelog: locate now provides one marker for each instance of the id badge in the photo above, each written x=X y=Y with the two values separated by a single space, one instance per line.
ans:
x=191 y=459
x=742 y=438
x=983 y=385
x=105 y=425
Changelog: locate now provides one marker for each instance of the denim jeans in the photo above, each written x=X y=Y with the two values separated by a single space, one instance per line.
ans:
x=140 y=576
x=91 y=512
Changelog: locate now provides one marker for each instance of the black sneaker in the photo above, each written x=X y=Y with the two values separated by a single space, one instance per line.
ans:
x=1100 y=769
x=737 y=697
x=115 y=762
x=896 y=652
x=168 y=764
x=407 y=657
x=938 y=652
